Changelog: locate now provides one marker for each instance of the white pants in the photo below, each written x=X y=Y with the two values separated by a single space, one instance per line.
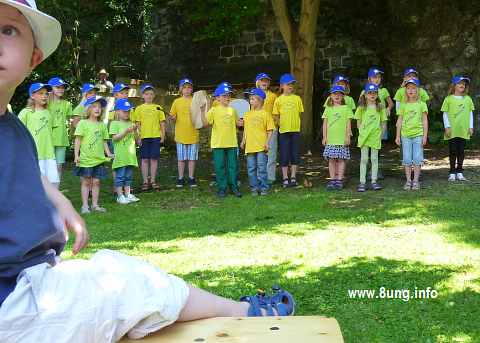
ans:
x=91 y=301
x=272 y=156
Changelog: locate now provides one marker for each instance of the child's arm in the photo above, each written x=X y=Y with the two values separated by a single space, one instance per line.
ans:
x=324 y=132
x=71 y=219
x=267 y=143
x=78 y=141
x=244 y=140
x=425 y=127
x=107 y=150
x=399 y=129
x=389 y=106
x=121 y=135
x=349 y=132
x=162 y=127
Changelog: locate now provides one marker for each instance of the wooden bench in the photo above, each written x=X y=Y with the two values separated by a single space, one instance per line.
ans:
x=299 y=329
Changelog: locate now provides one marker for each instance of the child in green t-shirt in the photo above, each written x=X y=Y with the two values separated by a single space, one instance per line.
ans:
x=91 y=137
x=371 y=117
x=88 y=91
x=344 y=82
x=412 y=133
x=457 y=111
x=38 y=121
x=124 y=134
x=336 y=136
x=61 y=111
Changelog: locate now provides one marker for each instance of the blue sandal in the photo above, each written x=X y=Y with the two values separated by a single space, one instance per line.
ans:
x=281 y=301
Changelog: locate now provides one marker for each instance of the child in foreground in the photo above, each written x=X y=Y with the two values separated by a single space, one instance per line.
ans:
x=98 y=300
x=336 y=136
x=258 y=128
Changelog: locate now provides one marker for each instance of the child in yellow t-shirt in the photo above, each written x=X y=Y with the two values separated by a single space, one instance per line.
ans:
x=150 y=118
x=186 y=136
x=258 y=127
x=224 y=144
x=262 y=81
x=91 y=146
x=287 y=111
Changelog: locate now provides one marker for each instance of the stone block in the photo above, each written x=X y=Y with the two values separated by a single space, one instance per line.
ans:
x=226 y=51
x=255 y=49
x=240 y=50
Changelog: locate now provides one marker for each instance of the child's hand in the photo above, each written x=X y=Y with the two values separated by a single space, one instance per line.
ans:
x=265 y=148
x=110 y=155
x=240 y=122
x=471 y=132
x=242 y=145
x=174 y=118
x=448 y=132
x=424 y=140
x=130 y=129
x=75 y=224
x=397 y=141
x=162 y=140
x=324 y=141
x=77 y=161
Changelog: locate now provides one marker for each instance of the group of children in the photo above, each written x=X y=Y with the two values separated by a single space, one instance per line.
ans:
x=273 y=123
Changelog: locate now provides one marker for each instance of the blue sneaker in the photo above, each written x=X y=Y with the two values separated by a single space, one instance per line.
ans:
x=280 y=303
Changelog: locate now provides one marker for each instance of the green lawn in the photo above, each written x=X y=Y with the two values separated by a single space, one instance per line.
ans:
x=318 y=245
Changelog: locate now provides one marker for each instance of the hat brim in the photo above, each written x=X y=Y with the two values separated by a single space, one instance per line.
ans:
x=47 y=30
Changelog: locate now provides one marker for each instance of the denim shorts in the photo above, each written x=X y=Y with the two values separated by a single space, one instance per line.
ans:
x=187 y=152
x=97 y=172
x=150 y=149
x=123 y=176
x=412 y=151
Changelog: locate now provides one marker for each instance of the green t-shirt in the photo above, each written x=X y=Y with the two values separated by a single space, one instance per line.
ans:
x=412 y=118
x=383 y=94
x=401 y=96
x=348 y=101
x=60 y=110
x=93 y=135
x=39 y=124
x=125 y=149
x=458 y=110
x=337 y=118
x=79 y=110
x=370 y=130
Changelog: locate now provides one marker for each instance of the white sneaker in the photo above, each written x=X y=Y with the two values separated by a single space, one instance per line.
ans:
x=452 y=177
x=85 y=210
x=460 y=177
x=131 y=198
x=122 y=200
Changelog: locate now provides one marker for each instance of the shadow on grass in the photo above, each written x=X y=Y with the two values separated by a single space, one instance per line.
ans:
x=449 y=316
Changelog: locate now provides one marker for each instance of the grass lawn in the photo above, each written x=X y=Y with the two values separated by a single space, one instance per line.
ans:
x=318 y=245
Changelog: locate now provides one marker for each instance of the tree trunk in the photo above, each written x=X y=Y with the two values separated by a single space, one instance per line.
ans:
x=301 y=42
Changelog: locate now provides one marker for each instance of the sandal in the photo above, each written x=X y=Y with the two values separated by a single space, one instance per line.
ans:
x=361 y=188
x=285 y=183
x=155 y=187
x=145 y=187
x=281 y=301
x=99 y=209
x=293 y=182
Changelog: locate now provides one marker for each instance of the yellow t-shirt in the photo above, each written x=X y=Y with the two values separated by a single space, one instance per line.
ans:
x=149 y=116
x=269 y=101
x=185 y=133
x=224 y=127
x=289 y=108
x=256 y=124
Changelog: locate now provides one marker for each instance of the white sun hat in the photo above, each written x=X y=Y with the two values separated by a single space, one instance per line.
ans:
x=47 y=30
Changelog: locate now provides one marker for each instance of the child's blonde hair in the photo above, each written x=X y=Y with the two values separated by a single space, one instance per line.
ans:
x=87 y=113
x=330 y=101
x=417 y=95
x=451 y=89
x=362 y=102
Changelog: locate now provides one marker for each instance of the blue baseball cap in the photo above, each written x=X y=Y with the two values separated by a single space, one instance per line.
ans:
x=182 y=82
x=258 y=92
x=146 y=87
x=57 y=82
x=374 y=71
x=123 y=105
x=286 y=79
x=87 y=87
x=35 y=87
x=222 y=90
x=94 y=99
x=340 y=78
x=415 y=82
x=225 y=84
x=335 y=89
x=410 y=71
x=119 y=87
x=370 y=87
x=262 y=76
x=458 y=79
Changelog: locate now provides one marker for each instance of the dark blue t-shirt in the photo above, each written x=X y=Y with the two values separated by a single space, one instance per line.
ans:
x=30 y=231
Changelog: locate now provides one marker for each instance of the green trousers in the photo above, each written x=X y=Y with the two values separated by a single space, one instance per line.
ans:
x=364 y=163
x=226 y=168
